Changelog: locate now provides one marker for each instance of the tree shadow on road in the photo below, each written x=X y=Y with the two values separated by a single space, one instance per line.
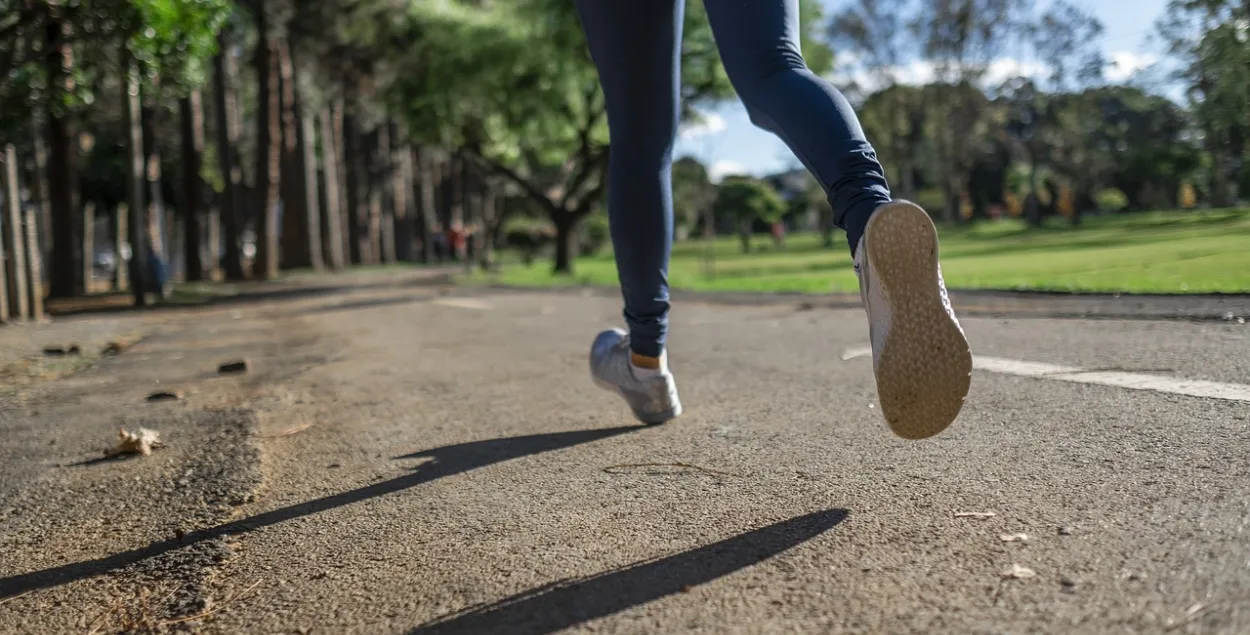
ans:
x=445 y=461
x=558 y=606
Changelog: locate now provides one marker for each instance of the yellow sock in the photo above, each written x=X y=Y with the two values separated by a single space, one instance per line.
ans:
x=642 y=361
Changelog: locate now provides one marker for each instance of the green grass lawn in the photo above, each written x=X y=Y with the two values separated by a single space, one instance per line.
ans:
x=1157 y=252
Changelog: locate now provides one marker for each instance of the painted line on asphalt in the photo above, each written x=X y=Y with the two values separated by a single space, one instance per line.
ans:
x=1117 y=379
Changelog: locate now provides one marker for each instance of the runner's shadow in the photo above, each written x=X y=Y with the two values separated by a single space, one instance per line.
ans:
x=445 y=461
x=564 y=604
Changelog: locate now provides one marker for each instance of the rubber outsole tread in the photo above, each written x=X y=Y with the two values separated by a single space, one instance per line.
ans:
x=924 y=369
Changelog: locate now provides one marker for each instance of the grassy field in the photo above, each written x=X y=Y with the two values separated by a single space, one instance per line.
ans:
x=1158 y=252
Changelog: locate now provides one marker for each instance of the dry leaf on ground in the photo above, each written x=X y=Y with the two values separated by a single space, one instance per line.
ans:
x=142 y=441
x=1014 y=537
x=1017 y=572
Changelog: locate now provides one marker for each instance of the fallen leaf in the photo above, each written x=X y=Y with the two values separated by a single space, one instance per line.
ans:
x=1017 y=572
x=1014 y=537
x=141 y=441
x=975 y=514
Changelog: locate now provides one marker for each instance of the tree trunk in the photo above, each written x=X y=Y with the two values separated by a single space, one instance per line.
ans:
x=121 y=264
x=457 y=198
x=192 y=118
x=388 y=193
x=373 y=183
x=492 y=212
x=34 y=265
x=212 y=246
x=65 y=273
x=13 y=247
x=88 y=244
x=346 y=205
x=951 y=210
x=566 y=241
x=312 y=207
x=39 y=188
x=1032 y=211
x=268 y=153
x=296 y=251
x=907 y=174
x=429 y=211
x=357 y=210
x=405 y=203
x=332 y=220
x=155 y=217
x=744 y=235
x=1219 y=175
x=134 y=177
x=826 y=227
x=227 y=158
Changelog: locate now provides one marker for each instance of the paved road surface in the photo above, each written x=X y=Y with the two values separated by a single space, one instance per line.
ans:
x=408 y=460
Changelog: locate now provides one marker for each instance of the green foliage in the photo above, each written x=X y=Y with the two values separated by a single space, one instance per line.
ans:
x=749 y=199
x=514 y=83
x=177 y=38
x=595 y=234
x=693 y=192
x=1111 y=199
x=1210 y=41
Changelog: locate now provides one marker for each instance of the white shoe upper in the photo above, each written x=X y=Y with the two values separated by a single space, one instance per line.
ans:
x=653 y=399
x=875 y=302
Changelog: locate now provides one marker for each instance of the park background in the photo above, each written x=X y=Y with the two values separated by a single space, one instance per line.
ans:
x=1060 y=146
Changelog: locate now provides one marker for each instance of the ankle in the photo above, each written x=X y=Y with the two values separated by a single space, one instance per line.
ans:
x=644 y=362
x=644 y=367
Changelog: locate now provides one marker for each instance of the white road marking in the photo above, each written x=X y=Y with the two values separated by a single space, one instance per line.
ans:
x=856 y=351
x=1131 y=381
x=464 y=303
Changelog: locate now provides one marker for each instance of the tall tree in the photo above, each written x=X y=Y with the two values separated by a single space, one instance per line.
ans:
x=296 y=229
x=268 y=148
x=1208 y=37
x=191 y=116
x=332 y=221
x=357 y=210
x=154 y=218
x=132 y=105
x=693 y=192
x=961 y=38
x=65 y=269
x=747 y=200
x=227 y=133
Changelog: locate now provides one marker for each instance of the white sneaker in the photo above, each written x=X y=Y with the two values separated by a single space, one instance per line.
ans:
x=653 y=399
x=919 y=352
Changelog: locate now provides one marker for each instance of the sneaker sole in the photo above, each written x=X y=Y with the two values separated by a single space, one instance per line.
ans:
x=651 y=419
x=925 y=367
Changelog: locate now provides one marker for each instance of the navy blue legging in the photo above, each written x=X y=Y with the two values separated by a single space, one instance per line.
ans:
x=636 y=46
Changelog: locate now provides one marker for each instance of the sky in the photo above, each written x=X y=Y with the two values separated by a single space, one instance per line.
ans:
x=727 y=142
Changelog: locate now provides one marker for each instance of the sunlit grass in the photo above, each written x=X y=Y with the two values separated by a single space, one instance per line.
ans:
x=1158 y=252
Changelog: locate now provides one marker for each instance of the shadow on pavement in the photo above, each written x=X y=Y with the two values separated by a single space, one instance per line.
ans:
x=446 y=461
x=568 y=603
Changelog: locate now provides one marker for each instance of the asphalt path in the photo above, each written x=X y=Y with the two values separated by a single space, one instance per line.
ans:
x=408 y=459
